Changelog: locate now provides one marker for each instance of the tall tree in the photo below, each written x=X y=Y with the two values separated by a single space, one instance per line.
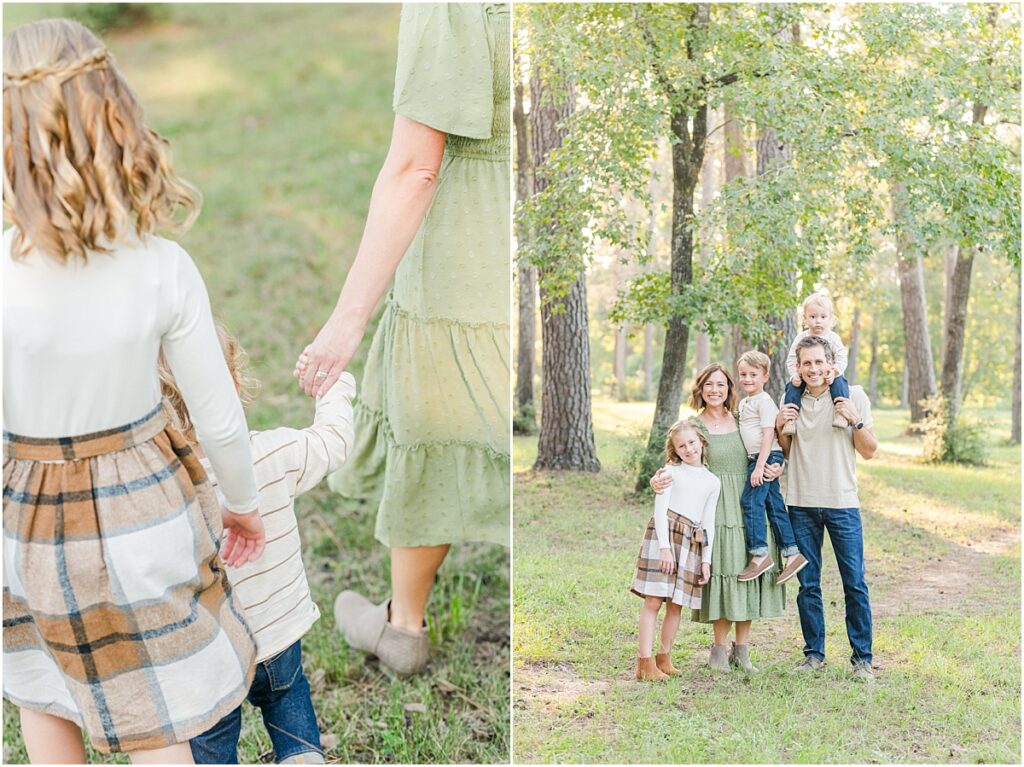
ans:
x=566 y=433
x=524 y=421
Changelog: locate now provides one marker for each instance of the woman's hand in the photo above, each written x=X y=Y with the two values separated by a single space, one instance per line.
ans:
x=668 y=562
x=244 y=537
x=323 y=361
x=772 y=471
x=757 y=475
x=705 y=573
x=661 y=481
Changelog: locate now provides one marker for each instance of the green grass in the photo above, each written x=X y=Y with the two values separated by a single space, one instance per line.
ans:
x=942 y=547
x=281 y=115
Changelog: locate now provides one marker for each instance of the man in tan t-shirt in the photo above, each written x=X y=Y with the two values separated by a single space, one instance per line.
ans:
x=821 y=494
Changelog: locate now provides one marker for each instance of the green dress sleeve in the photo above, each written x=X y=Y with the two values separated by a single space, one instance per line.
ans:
x=443 y=78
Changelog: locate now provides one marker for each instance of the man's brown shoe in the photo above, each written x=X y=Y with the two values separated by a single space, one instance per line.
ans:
x=794 y=564
x=646 y=670
x=664 y=662
x=753 y=570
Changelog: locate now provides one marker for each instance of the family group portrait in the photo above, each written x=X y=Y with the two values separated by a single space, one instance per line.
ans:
x=766 y=449
x=256 y=383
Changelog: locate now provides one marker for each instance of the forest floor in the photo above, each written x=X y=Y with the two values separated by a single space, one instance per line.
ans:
x=942 y=546
x=281 y=115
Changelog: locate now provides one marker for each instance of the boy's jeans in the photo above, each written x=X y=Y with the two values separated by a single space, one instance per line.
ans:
x=838 y=388
x=847 y=537
x=767 y=497
x=281 y=692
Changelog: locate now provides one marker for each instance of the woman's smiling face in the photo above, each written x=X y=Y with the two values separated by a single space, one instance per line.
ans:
x=715 y=389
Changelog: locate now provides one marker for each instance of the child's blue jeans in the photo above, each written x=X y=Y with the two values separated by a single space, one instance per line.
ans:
x=281 y=692
x=838 y=388
x=764 y=499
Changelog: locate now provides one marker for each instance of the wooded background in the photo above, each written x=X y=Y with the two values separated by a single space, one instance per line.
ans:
x=688 y=173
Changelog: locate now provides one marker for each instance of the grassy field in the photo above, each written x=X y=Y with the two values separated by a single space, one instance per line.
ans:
x=943 y=556
x=281 y=116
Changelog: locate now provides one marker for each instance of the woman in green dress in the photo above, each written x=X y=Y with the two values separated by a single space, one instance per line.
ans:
x=726 y=600
x=432 y=421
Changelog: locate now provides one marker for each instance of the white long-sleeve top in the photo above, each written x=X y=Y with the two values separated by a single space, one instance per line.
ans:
x=274 y=591
x=81 y=344
x=693 y=494
x=838 y=351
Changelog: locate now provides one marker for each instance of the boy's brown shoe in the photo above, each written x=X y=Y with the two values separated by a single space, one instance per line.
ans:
x=794 y=564
x=753 y=570
x=789 y=428
x=839 y=422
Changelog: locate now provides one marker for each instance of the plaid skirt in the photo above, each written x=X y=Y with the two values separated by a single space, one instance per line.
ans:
x=682 y=586
x=117 y=612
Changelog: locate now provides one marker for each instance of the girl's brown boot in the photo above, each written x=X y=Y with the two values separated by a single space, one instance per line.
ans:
x=664 y=662
x=647 y=671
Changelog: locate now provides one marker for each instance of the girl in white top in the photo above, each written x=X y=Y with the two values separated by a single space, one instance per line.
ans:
x=675 y=557
x=126 y=567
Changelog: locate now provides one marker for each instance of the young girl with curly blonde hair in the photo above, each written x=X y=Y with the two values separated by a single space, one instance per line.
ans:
x=118 y=617
x=675 y=557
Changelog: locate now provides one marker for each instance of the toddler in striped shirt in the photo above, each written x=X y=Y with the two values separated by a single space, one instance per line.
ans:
x=273 y=590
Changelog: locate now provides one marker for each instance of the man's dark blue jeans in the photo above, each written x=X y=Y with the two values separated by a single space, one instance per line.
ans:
x=281 y=691
x=764 y=499
x=838 y=388
x=847 y=537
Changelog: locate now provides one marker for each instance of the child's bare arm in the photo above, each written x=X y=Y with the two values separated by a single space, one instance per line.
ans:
x=767 y=438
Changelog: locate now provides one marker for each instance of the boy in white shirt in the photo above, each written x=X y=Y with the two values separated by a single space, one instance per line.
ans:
x=762 y=497
x=819 y=319
x=273 y=591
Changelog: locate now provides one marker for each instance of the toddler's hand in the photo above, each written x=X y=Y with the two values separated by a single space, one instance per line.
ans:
x=705 y=573
x=244 y=537
x=830 y=376
x=796 y=380
x=668 y=562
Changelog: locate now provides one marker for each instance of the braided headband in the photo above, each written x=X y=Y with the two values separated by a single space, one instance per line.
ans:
x=98 y=59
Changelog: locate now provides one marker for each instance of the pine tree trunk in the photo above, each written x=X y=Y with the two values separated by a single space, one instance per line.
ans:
x=917 y=348
x=566 y=432
x=734 y=166
x=525 y=419
x=957 y=296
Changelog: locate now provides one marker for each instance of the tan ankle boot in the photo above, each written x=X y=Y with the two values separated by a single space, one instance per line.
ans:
x=664 y=662
x=366 y=627
x=647 y=671
x=719 y=658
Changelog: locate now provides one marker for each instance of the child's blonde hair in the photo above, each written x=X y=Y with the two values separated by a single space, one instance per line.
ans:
x=80 y=166
x=238 y=363
x=821 y=300
x=670 y=450
x=756 y=359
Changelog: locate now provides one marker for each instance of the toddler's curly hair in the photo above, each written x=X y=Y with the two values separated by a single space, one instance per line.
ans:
x=81 y=168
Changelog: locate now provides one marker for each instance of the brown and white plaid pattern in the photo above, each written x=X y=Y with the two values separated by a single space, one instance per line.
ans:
x=117 y=613
x=682 y=587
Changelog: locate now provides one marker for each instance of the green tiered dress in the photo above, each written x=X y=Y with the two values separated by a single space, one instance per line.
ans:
x=432 y=422
x=724 y=596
